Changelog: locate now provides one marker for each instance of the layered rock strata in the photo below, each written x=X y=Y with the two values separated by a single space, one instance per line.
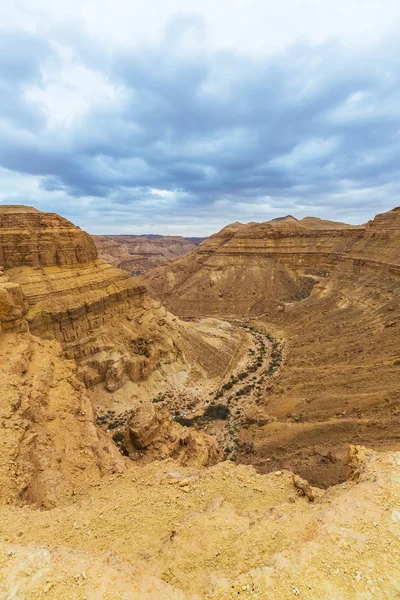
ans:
x=331 y=294
x=101 y=316
x=138 y=253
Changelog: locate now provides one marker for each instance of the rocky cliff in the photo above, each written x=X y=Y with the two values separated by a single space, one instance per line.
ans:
x=54 y=283
x=50 y=444
x=151 y=434
x=31 y=238
x=245 y=268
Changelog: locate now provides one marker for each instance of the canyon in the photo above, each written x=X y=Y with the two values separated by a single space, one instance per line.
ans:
x=330 y=293
x=138 y=253
x=224 y=426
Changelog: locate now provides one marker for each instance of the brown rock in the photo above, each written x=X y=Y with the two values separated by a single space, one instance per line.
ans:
x=152 y=434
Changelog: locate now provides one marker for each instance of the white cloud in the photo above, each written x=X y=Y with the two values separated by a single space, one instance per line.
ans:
x=178 y=116
x=249 y=26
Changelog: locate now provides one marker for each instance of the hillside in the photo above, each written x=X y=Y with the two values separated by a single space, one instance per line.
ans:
x=330 y=294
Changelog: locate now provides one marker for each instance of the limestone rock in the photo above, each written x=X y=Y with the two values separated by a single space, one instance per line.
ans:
x=50 y=444
x=57 y=287
x=29 y=237
x=138 y=253
x=152 y=434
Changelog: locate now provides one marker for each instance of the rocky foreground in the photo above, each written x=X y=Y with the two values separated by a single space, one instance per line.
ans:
x=167 y=532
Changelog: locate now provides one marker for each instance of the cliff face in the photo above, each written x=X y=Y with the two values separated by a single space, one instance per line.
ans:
x=246 y=268
x=32 y=238
x=50 y=444
x=58 y=301
x=53 y=283
x=13 y=305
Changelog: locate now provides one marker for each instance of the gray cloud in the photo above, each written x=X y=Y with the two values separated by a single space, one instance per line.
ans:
x=173 y=140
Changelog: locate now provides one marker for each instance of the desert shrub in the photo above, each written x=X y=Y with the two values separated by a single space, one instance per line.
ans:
x=186 y=422
x=228 y=385
x=219 y=411
x=118 y=437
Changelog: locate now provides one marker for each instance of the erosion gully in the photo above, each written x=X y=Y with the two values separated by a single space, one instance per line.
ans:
x=225 y=413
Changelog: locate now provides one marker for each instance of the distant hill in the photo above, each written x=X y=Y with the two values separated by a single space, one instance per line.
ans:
x=138 y=253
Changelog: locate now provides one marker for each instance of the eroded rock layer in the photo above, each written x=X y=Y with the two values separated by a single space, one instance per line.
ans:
x=244 y=268
x=53 y=282
x=138 y=253
x=50 y=444
x=152 y=434
x=331 y=294
x=29 y=237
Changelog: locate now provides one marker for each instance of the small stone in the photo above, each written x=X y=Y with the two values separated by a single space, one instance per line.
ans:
x=48 y=586
x=278 y=472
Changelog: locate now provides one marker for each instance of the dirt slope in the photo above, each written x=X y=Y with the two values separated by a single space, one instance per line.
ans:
x=330 y=294
x=163 y=531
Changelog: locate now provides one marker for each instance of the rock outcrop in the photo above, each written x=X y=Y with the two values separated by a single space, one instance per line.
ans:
x=152 y=434
x=98 y=313
x=50 y=444
x=13 y=305
x=29 y=237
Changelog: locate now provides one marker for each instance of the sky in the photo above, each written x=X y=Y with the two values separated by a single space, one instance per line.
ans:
x=178 y=117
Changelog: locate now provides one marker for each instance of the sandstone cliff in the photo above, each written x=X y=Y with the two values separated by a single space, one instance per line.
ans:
x=100 y=315
x=244 y=268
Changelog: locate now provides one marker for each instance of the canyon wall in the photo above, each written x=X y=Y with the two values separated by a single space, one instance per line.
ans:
x=248 y=269
x=330 y=293
x=54 y=283
x=138 y=253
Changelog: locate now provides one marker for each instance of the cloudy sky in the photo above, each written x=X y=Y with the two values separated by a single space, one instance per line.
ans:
x=180 y=116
